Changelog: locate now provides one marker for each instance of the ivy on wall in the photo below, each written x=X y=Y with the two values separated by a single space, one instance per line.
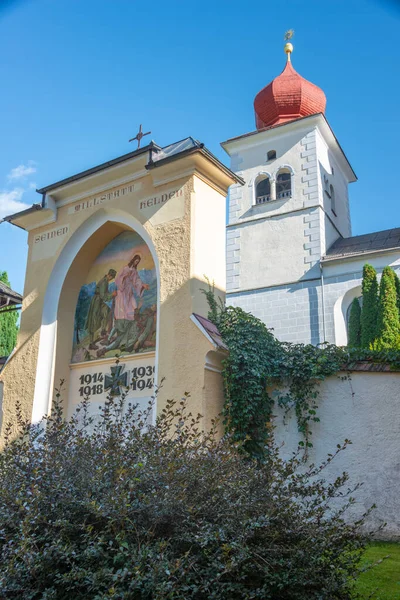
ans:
x=260 y=371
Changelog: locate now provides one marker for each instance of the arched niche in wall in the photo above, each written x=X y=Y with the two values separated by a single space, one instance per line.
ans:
x=341 y=312
x=92 y=315
x=115 y=316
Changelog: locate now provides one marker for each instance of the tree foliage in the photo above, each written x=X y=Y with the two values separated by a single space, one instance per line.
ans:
x=369 y=313
x=388 y=323
x=117 y=509
x=355 y=324
x=8 y=325
x=397 y=284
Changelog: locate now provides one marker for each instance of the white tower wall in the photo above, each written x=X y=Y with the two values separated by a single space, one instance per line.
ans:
x=274 y=248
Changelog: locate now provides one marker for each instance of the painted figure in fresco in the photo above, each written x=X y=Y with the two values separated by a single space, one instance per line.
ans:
x=144 y=333
x=99 y=311
x=147 y=328
x=125 y=327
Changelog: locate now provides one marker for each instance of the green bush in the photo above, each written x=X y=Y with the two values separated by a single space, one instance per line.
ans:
x=355 y=324
x=388 y=324
x=116 y=509
x=369 y=313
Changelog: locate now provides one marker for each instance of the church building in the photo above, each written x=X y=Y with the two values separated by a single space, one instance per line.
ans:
x=119 y=255
x=291 y=258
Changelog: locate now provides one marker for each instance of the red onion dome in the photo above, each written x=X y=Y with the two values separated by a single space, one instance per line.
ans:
x=288 y=97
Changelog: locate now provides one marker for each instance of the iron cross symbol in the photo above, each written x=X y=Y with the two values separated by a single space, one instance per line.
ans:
x=116 y=380
x=139 y=136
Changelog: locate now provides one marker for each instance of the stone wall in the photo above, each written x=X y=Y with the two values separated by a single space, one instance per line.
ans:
x=366 y=410
x=294 y=311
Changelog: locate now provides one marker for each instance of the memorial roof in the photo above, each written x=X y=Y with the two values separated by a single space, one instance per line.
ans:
x=9 y=294
x=212 y=331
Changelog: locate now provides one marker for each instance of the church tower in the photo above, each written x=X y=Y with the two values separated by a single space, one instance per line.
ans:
x=293 y=207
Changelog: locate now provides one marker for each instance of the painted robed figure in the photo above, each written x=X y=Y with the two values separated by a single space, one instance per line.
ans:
x=99 y=312
x=118 y=313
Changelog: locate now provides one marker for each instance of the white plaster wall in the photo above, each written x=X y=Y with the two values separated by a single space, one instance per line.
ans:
x=356 y=264
x=365 y=410
x=208 y=259
x=336 y=177
x=331 y=234
x=272 y=251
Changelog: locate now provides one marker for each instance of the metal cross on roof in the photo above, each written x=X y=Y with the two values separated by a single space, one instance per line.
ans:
x=139 y=136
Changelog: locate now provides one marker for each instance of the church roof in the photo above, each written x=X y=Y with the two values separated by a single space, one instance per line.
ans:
x=9 y=294
x=288 y=97
x=358 y=245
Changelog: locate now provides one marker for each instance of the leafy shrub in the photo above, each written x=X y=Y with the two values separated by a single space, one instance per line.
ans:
x=109 y=509
x=369 y=313
x=355 y=324
x=388 y=324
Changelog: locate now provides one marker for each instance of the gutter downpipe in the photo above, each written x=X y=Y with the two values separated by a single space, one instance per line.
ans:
x=323 y=301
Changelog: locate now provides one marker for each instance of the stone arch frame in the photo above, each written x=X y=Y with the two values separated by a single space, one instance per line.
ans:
x=253 y=184
x=48 y=332
x=340 y=309
x=292 y=176
x=284 y=166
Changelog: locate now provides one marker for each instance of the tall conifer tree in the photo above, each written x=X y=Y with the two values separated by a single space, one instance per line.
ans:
x=369 y=313
x=397 y=282
x=355 y=324
x=388 y=326
x=8 y=325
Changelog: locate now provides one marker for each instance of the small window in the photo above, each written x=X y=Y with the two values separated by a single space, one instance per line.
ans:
x=284 y=184
x=271 y=155
x=263 y=191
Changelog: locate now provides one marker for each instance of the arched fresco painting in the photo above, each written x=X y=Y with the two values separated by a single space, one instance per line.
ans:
x=116 y=310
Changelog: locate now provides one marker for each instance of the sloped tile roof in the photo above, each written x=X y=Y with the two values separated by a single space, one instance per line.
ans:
x=362 y=244
x=7 y=292
x=212 y=331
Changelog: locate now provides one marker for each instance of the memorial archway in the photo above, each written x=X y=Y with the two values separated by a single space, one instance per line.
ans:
x=83 y=332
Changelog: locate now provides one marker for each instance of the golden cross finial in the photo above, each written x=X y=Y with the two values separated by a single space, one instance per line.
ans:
x=288 y=46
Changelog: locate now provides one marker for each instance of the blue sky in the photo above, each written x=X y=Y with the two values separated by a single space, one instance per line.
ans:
x=79 y=76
